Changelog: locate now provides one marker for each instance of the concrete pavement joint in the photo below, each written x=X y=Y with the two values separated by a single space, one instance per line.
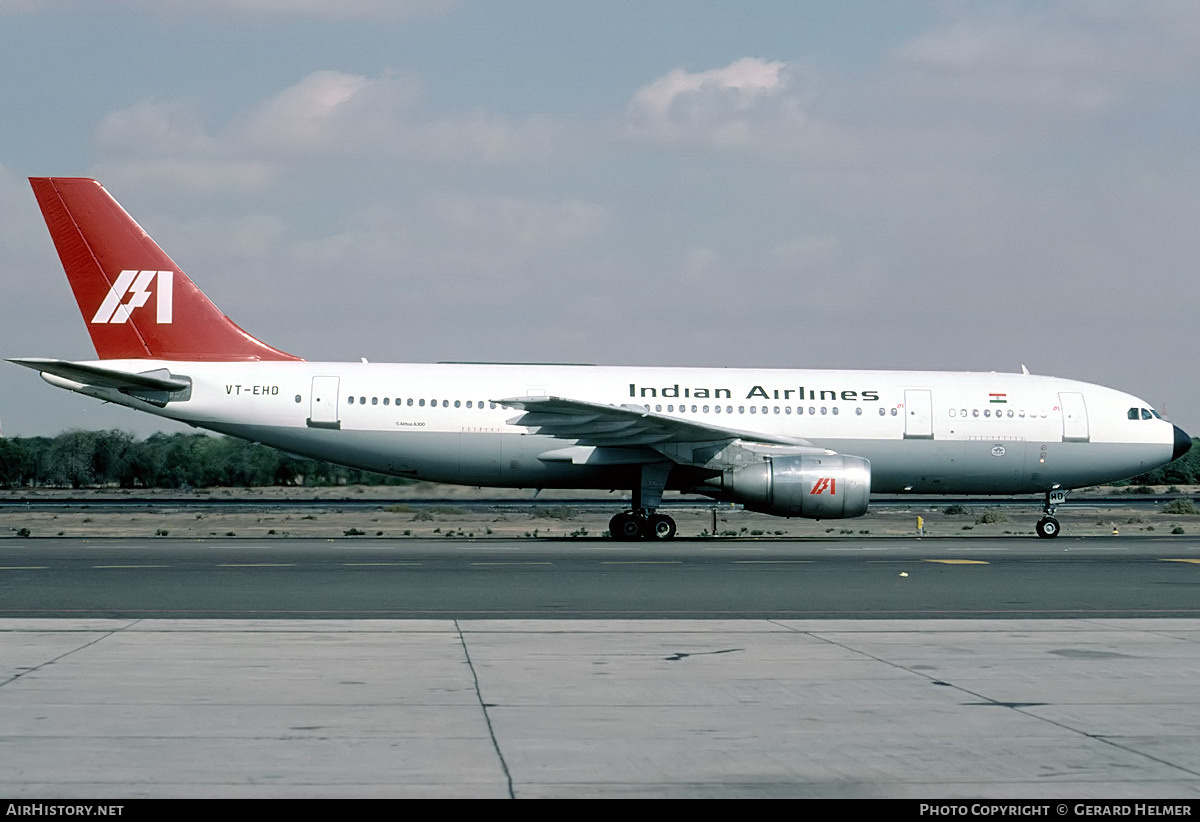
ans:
x=483 y=706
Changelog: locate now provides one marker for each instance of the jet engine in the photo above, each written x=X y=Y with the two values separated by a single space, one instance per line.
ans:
x=829 y=486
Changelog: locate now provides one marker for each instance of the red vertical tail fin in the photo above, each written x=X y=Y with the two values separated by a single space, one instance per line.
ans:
x=135 y=301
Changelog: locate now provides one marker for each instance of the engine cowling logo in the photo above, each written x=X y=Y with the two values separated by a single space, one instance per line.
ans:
x=824 y=484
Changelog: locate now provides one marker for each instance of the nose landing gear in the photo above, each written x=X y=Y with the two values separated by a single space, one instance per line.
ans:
x=1047 y=527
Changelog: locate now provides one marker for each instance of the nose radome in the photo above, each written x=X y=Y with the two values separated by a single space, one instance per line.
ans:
x=1182 y=443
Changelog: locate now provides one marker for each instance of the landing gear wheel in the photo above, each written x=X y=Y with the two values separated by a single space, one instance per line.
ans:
x=660 y=527
x=1047 y=528
x=625 y=526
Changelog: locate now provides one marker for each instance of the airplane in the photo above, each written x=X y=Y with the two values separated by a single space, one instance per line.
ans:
x=792 y=443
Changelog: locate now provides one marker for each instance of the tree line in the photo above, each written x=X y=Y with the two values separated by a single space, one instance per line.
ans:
x=84 y=459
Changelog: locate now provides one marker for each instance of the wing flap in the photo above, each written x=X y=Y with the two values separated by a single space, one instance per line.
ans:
x=595 y=424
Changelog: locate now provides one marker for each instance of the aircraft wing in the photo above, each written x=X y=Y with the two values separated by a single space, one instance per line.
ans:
x=631 y=434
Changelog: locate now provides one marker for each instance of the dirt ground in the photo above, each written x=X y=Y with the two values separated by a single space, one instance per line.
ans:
x=426 y=510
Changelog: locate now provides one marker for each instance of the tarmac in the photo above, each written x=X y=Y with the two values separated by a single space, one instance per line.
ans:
x=1002 y=709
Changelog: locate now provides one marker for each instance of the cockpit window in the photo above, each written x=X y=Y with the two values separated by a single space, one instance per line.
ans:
x=1133 y=413
x=1146 y=414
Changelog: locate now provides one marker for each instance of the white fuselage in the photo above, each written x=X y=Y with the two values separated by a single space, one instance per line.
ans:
x=938 y=432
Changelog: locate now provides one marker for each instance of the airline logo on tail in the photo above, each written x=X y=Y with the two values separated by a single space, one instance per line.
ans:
x=138 y=286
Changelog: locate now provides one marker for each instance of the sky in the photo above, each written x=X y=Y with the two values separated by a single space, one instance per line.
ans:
x=909 y=184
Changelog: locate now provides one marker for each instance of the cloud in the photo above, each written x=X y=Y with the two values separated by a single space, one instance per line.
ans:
x=326 y=116
x=327 y=112
x=1071 y=60
x=750 y=103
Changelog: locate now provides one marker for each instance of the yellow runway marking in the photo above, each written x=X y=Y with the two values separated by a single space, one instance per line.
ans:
x=958 y=561
x=1191 y=561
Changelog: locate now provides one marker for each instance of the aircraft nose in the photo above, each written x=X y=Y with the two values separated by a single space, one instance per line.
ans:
x=1182 y=443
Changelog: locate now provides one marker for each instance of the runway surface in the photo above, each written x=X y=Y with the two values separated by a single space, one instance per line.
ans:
x=1135 y=576
x=567 y=668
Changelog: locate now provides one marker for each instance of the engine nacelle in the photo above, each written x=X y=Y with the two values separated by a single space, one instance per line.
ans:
x=833 y=486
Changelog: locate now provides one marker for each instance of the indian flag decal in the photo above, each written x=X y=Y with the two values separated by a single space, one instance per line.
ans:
x=993 y=397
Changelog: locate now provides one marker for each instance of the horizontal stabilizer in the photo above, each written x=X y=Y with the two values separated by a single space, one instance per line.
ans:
x=128 y=382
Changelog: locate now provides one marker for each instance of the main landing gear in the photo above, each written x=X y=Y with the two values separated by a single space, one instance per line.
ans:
x=642 y=522
x=1047 y=527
